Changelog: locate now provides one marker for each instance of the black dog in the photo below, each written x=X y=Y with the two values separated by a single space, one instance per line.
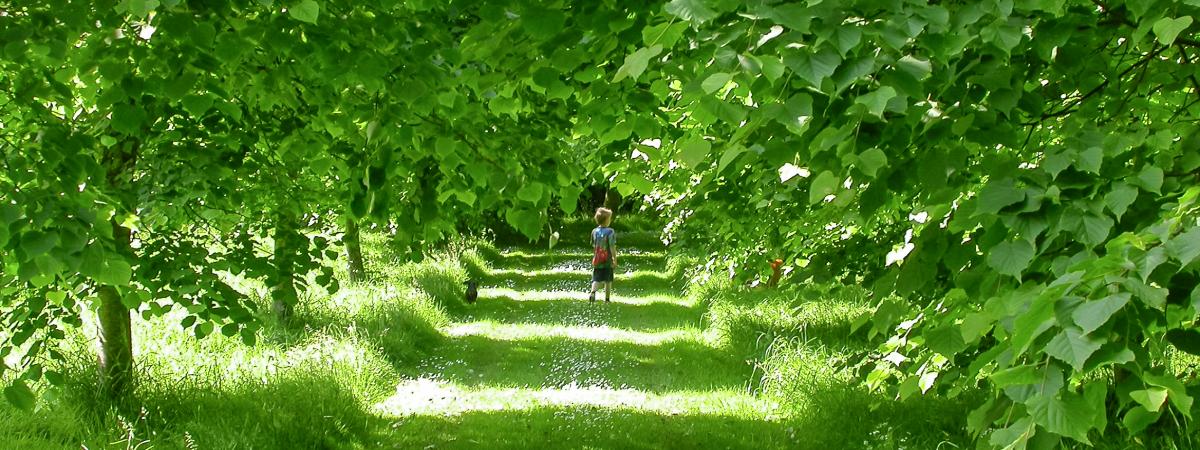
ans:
x=472 y=291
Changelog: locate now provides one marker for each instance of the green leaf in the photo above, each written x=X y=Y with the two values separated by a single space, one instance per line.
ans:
x=1012 y=257
x=529 y=223
x=1094 y=314
x=715 y=82
x=1152 y=399
x=543 y=23
x=248 y=337
x=1167 y=29
x=20 y=396
x=1090 y=160
x=197 y=104
x=36 y=243
x=998 y=195
x=691 y=10
x=127 y=119
x=113 y=271
x=1015 y=376
x=1151 y=179
x=877 y=101
x=1119 y=199
x=823 y=185
x=1185 y=247
x=203 y=329
x=1031 y=324
x=139 y=8
x=305 y=11
x=693 y=150
x=772 y=68
x=1176 y=391
x=1067 y=414
x=731 y=153
x=1137 y=419
x=919 y=69
x=816 y=67
x=636 y=63
x=568 y=198
x=871 y=160
x=1150 y=261
x=1015 y=436
x=531 y=192
x=945 y=339
x=665 y=34
x=1073 y=347
x=1095 y=229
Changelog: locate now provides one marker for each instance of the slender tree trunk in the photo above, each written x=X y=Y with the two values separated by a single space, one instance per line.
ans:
x=115 y=343
x=612 y=199
x=116 y=334
x=358 y=272
x=283 y=290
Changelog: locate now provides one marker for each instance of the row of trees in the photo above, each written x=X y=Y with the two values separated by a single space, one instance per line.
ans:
x=1016 y=180
x=151 y=146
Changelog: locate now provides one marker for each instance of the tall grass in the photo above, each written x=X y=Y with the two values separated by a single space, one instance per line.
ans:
x=799 y=338
x=311 y=383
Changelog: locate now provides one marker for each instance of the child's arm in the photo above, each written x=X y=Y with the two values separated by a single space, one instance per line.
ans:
x=612 y=244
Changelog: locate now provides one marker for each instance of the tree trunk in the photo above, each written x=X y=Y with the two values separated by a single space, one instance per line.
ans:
x=354 y=251
x=283 y=290
x=115 y=331
x=116 y=334
x=612 y=199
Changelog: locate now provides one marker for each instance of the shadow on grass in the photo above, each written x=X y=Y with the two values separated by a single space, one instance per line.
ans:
x=311 y=409
x=587 y=427
x=676 y=365
x=651 y=316
x=403 y=328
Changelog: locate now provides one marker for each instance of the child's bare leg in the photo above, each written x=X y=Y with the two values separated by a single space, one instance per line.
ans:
x=607 y=290
x=595 y=287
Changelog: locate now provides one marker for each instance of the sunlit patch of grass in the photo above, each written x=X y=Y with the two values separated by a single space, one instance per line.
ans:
x=575 y=259
x=639 y=283
x=426 y=396
x=603 y=333
x=591 y=427
x=654 y=313
x=541 y=362
x=576 y=295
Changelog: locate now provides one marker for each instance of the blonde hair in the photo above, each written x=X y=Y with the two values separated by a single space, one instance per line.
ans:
x=603 y=216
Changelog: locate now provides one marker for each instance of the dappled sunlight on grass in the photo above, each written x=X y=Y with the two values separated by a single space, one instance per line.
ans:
x=578 y=294
x=639 y=313
x=427 y=396
x=591 y=427
x=547 y=361
x=631 y=281
x=576 y=259
x=602 y=333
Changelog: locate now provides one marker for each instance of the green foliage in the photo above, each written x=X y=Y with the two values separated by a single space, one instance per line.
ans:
x=1000 y=168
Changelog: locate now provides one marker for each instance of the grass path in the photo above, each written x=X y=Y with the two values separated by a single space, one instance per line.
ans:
x=535 y=365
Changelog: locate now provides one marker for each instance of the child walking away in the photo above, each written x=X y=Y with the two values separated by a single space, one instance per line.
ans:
x=604 y=256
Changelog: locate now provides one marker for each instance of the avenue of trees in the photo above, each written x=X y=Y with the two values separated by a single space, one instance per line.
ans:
x=1016 y=181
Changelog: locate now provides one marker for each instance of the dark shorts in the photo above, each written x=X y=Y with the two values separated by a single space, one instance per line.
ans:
x=602 y=274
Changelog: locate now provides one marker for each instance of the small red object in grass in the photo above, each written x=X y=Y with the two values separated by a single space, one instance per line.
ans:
x=775 y=274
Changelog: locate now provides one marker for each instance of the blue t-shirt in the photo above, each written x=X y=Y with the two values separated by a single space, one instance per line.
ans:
x=606 y=238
